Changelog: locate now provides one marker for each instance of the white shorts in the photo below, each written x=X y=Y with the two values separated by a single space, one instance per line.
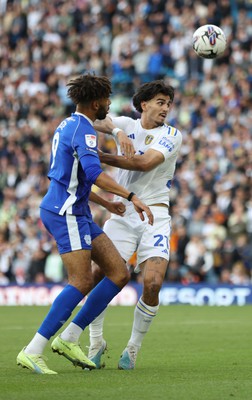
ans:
x=130 y=234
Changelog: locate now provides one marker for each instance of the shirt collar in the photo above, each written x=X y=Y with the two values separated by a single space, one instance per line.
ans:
x=89 y=120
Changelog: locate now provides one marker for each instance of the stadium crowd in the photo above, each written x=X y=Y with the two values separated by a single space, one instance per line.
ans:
x=44 y=43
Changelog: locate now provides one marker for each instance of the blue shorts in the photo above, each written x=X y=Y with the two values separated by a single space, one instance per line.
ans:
x=71 y=232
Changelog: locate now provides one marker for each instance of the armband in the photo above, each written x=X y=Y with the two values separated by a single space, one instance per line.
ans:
x=130 y=196
x=115 y=131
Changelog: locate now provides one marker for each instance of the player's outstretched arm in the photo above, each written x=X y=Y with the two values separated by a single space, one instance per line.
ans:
x=144 y=162
x=115 y=207
x=108 y=184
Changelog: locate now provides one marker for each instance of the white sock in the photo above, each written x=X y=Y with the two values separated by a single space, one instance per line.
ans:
x=96 y=329
x=36 y=345
x=143 y=316
x=72 y=333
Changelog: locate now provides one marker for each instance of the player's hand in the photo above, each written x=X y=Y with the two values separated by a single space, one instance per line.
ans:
x=116 y=207
x=126 y=145
x=140 y=208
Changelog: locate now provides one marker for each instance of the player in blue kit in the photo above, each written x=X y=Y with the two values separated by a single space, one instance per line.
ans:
x=74 y=168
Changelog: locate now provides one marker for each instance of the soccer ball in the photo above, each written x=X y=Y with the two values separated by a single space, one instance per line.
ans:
x=209 y=41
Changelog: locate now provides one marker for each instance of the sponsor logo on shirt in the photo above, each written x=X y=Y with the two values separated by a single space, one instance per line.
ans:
x=94 y=151
x=166 y=143
x=149 y=139
x=90 y=140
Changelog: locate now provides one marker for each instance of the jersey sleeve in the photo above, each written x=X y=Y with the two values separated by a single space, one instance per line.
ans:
x=85 y=145
x=91 y=166
x=123 y=123
x=170 y=143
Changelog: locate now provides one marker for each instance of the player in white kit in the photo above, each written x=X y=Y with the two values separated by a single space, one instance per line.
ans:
x=149 y=173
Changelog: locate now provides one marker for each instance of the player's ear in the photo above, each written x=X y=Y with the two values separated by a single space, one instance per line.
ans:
x=143 y=105
x=95 y=105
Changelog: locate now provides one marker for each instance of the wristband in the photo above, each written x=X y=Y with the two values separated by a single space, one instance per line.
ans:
x=130 y=196
x=115 y=131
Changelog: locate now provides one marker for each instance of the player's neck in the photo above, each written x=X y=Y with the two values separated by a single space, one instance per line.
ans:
x=87 y=112
x=146 y=124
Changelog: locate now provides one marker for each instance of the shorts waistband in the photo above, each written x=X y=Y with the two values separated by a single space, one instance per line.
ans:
x=159 y=205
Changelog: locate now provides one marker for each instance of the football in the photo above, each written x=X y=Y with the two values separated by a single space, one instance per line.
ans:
x=209 y=41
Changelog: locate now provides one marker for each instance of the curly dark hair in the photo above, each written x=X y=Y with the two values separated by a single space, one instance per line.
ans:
x=88 y=87
x=149 y=90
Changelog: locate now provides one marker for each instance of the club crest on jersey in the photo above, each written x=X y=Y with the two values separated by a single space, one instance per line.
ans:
x=148 y=139
x=90 y=140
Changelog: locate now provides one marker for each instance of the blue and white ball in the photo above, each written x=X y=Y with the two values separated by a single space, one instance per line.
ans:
x=209 y=41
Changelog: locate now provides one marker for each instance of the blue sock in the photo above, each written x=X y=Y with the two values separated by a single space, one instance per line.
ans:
x=96 y=302
x=60 y=311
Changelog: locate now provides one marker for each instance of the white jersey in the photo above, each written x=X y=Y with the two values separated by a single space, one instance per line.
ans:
x=153 y=186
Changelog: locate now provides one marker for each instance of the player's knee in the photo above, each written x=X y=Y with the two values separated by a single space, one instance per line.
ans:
x=83 y=284
x=126 y=276
x=152 y=288
x=122 y=278
x=98 y=274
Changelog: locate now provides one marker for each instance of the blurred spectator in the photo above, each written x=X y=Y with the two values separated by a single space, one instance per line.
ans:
x=54 y=268
x=36 y=268
x=174 y=272
x=181 y=242
x=239 y=275
x=198 y=260
x=225 y=276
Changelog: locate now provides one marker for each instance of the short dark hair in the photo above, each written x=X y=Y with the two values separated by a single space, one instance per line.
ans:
x=88 y=87
x=149 y=90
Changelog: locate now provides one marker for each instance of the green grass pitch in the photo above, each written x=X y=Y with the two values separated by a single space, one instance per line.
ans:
x=190 y=353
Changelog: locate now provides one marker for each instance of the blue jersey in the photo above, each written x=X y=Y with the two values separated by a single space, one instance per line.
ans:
x=74 y=167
